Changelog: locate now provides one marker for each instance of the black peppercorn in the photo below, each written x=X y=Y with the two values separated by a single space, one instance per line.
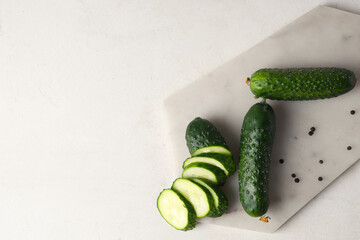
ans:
x=281 y=161
x=321 y=161
x=312 y=129
x=320 y=178
x=349 y=148
x=293 y=175
x=352 y=112
x=297 y=180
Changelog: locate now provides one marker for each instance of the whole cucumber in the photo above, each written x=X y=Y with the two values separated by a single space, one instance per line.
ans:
x=301 y=83
x=257 y=134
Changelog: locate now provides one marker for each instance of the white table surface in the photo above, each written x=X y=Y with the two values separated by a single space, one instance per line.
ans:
x=83 y=146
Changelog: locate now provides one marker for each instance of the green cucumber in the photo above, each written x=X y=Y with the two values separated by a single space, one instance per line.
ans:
x=199 y=196
x=301 y=83
x=205 y=171
x=213 y=149
x=201 y=133
x=176 y=210
x=257 y=134
x=220 y=199
x=225 y=162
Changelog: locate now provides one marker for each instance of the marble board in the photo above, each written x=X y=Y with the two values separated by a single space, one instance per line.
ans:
x=323 y=37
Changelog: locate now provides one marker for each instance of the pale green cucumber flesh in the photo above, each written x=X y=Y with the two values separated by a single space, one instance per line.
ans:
x=205 y=171
x=212 y=149
x=197 y=195
x=220 y=199
x=176 y=210
x=224 y=162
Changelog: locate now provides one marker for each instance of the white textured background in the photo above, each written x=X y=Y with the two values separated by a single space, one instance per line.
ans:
x=83 y=148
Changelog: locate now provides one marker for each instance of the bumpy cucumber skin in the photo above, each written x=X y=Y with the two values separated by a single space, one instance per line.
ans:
x=202 y=133
x=301 y=83
x=257 y=134
x=191 y=211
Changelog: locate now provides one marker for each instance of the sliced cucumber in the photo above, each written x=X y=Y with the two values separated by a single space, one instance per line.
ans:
x=202 y=133
x=176 y=210
x=220 y=199
x=224 y=162
x=206 y=171
x=213 y=149
x=199 y=196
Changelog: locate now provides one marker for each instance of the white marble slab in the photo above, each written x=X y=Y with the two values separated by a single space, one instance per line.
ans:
x=322 y=37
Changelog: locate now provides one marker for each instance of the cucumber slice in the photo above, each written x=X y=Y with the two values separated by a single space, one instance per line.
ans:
x=224 y=162
x=213 y=149
x=205 y=171
x=197 y=195
x=176 y=210
x=220 y=199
